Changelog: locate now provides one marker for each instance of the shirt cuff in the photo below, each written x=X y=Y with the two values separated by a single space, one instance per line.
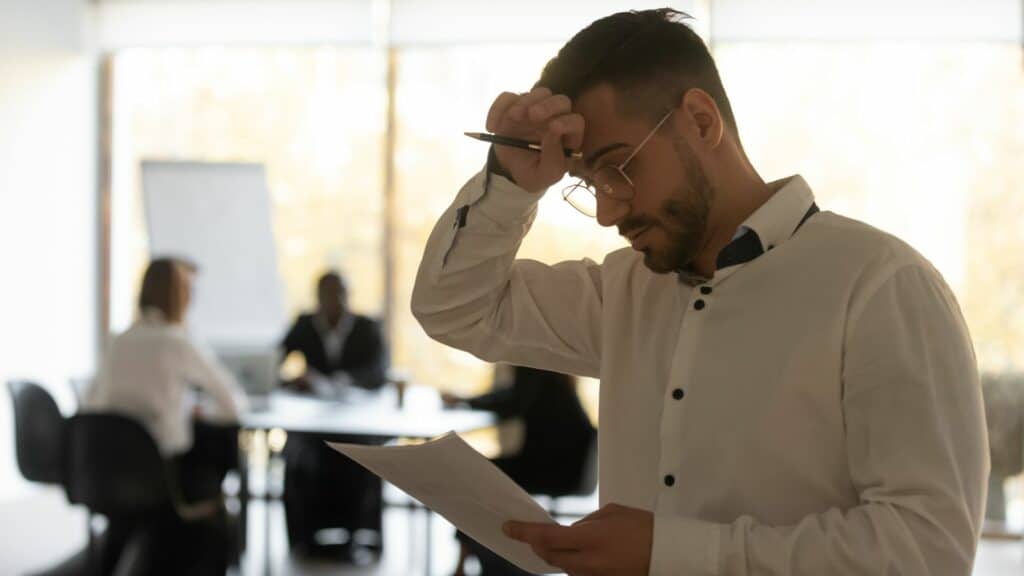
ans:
x=685 y=546
x=501 y=200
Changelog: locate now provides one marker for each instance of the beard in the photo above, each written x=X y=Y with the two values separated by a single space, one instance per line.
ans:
x=683 y=217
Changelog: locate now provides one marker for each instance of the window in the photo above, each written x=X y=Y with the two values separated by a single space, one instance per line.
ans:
x=316 y=117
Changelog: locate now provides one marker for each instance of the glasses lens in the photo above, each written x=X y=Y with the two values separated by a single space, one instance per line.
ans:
x=613 y=182
x=581 y=197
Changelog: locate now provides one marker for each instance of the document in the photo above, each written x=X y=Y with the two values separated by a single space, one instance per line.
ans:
x=457 y=482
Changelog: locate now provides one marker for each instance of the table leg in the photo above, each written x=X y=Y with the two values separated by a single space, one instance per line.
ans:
x=429 y=539
x=266 y=505
x=243 y=495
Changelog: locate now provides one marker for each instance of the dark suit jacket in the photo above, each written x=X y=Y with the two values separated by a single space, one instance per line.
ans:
x=364 y=355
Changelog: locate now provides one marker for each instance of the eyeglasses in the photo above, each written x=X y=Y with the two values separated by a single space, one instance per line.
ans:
x=609 y=180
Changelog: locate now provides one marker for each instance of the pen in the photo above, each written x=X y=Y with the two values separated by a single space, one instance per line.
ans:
x=517 y=143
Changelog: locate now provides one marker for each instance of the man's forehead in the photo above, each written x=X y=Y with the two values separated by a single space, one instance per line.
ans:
x=604 y=129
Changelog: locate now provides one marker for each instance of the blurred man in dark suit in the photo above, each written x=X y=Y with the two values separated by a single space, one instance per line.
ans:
x=323 y=489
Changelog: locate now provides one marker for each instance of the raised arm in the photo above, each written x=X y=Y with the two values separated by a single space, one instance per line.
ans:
x=471 y=292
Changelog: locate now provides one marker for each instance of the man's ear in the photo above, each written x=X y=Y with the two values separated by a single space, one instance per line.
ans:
x=701 y=119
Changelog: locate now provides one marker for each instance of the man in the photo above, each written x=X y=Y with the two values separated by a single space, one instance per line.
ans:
x=323 y=489
x=339 y=347
x=783 y=390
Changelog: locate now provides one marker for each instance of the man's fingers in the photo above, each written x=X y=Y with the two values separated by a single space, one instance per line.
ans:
x=574 y=562
x=498 y=109
x=517 y=111
x=552 y=155
x=570 y=128
x=553 y=105
x=605 y=510
x=546 y=536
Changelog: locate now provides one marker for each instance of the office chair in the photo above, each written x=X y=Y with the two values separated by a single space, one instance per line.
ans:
x=585 y=485
x=39 y=431
x=114 y=468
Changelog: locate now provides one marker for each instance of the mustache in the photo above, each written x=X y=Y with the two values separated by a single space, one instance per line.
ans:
x=632 y=224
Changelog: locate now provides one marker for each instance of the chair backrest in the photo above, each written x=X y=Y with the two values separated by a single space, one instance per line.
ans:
x=114 y=466
x=589 y=474
x=39 y=431
x=583 y=483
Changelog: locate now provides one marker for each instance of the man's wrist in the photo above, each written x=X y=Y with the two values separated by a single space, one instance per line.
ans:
x=494 y=165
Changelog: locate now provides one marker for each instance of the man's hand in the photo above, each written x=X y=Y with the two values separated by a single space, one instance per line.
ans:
x=538 y=116
x=615 y=540
x=300 y=384
x=451 y=400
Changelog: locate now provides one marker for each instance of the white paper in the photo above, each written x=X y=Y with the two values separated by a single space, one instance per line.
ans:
x=457 y=482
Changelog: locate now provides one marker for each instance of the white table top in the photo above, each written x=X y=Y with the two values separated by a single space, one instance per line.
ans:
x=365 y=414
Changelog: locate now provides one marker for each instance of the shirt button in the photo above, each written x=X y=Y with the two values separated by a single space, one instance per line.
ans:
x=705 y=290
x=670 y=480
x=678 y=393
x=698 y=305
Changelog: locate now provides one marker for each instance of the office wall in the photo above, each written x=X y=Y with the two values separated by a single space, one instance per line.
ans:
x=48 y=230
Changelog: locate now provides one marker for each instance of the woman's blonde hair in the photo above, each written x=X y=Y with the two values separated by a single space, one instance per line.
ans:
x=162 y=287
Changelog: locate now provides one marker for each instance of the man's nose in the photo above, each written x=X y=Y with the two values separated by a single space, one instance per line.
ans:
x=610 y=211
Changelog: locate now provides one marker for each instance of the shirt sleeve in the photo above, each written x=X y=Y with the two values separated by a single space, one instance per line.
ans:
x=472 y=293
x=917 y=452
x=202 y=369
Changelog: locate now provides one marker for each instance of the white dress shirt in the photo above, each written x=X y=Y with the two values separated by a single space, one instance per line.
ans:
x=146 y=372
x=333 y=337
x=814 y=409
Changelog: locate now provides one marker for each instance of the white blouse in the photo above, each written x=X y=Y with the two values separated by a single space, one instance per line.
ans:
x=146 y=373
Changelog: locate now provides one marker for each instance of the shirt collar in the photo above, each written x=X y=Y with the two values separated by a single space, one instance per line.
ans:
x=323 y=326
x=779 y=217
x=767 y=227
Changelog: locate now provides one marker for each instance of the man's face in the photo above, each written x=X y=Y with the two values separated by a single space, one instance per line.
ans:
x=332 y=298
x=667 y=217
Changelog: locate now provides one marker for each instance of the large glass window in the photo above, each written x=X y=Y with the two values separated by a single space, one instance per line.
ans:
x=315 y=117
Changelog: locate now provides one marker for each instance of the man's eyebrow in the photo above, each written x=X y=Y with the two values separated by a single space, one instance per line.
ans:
x=590 y=161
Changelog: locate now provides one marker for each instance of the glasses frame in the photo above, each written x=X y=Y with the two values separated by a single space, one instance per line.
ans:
x=606 y=190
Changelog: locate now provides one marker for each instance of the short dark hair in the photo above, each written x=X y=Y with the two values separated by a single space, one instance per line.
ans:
x=650 y=57
x=331 y=276
x=160 y=286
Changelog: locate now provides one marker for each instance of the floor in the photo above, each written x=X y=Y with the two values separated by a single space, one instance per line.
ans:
x=39 y=529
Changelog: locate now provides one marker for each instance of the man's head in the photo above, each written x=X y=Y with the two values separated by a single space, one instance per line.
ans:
x=332 y=296
x=625 y=73
x=167 y=287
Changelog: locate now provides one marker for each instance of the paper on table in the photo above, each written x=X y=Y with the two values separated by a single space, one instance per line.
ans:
x=457 y=482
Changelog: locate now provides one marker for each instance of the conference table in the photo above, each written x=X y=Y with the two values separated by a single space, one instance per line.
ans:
x=371 y=417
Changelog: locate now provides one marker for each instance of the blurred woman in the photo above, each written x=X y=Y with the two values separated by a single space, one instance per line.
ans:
x=147 y=374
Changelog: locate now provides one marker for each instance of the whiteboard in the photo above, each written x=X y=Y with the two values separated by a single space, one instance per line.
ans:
x=218 y=215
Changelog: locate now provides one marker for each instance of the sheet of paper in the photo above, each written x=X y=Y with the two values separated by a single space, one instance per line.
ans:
x=457 y=482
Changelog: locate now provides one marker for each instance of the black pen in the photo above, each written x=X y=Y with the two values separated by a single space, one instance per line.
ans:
x=517 y=143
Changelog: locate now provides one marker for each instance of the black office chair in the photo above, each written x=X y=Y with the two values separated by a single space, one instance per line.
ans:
x=114 y=468
x=585 y=485
x=39 y=430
